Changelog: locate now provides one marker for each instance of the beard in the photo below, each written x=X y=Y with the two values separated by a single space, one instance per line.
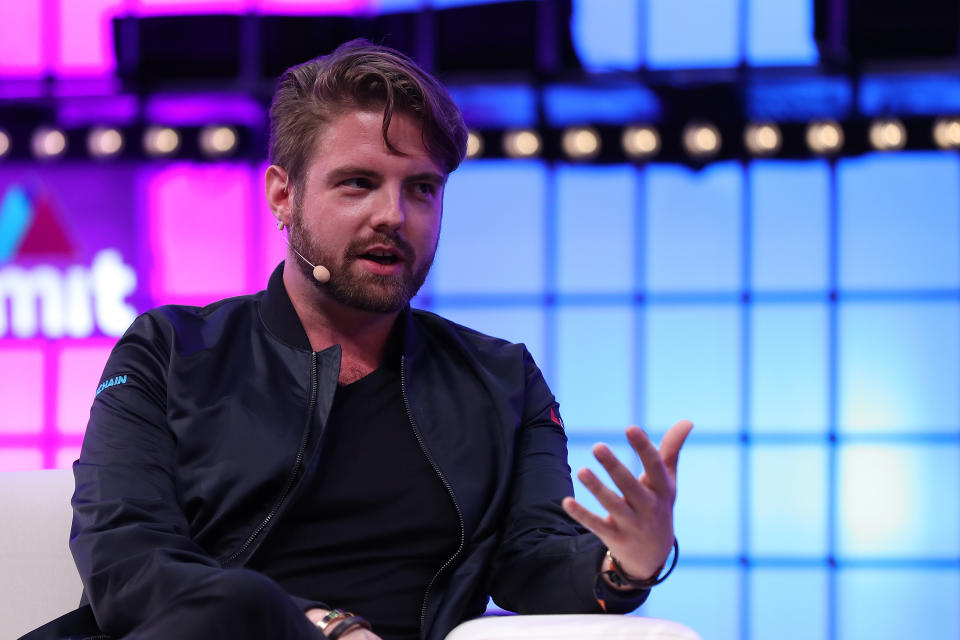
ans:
x=358 y=288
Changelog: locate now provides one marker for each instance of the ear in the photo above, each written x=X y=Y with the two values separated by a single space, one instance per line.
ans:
x=279 y=193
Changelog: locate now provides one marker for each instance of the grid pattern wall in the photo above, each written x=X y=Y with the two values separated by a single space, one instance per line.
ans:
x=805 y=316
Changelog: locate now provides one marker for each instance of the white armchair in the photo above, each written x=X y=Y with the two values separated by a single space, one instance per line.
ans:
x=38 y=580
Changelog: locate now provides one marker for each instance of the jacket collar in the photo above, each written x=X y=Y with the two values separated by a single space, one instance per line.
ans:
x=282 y=320
x=278 y=314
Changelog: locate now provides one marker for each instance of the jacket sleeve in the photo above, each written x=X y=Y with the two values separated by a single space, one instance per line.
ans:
x=548 y=563
x=130 y=538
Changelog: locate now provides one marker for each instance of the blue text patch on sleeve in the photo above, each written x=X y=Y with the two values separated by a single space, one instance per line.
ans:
x=111 y=382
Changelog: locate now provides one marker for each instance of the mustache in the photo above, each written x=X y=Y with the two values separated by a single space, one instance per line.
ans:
x=397 y=243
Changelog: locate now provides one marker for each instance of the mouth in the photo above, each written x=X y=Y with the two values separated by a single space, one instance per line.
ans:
x=381 y=257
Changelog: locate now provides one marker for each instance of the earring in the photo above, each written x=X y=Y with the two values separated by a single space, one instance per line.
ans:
x=279 y=225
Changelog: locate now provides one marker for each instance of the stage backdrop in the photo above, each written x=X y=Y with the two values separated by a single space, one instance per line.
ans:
x=804 y=314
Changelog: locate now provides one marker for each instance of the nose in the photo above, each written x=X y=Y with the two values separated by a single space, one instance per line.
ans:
x=390 y=209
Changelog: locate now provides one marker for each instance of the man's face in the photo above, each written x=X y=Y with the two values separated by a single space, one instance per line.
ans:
x=370 y=216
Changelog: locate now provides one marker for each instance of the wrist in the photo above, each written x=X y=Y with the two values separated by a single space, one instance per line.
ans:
x=347 y=625
x=615 y=576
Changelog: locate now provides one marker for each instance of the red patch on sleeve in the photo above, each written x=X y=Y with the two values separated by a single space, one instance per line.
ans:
x=556 y=418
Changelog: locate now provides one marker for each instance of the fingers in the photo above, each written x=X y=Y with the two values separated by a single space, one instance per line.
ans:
x=584 y=516
x=671 y=443
x=633 y=492
x=653 y=464
x=607 y=498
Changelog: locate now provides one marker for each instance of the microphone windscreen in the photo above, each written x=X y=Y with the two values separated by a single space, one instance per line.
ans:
x=321 y=273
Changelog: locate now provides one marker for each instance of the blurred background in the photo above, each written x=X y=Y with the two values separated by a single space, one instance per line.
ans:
x=741 y=212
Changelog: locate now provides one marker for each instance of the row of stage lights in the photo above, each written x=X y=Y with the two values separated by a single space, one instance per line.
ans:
x=700 y=141
x=108 y=142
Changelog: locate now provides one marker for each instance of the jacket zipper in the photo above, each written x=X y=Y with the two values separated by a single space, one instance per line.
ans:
x=296 y=465
x=436 y=469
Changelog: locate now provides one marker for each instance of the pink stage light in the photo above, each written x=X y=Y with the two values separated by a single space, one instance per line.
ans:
x=81 y=366
x=272 y=248
x=314 y=7
x=199 y=232
x=183 y=7
x=86 y=37
x=65 y=457
x=21 y=386
x=20 y=459
x=21 y=41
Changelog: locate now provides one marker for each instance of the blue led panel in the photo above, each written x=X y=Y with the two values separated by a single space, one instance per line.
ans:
x=692 y=367
x=789 y=204
x=492 y=237
x=595 y=210
x=899 y=500
x=898 y=367
x=393 y=6
x=693 y=33
x=798 y=99
x=898 y=603
x=707 y=512
x=693 y=227
x=496 y=105
x=516 y=323
x=581 y=455
x=780 y=33
x=594 y=365
x=567 y=104
x=788 y=603
x=607 y=34
x=705 y=599
x=893 y=232
x=788 y=500
x=440 y=4
x=905 y=93
x=788 y=368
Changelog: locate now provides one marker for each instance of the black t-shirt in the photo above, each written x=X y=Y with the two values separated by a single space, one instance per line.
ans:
x=375 y=523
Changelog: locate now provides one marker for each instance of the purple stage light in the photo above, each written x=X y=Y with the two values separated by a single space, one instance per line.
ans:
x=86 y=111
x=199 y=109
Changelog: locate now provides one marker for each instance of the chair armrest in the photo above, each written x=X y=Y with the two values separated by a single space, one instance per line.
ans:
x=571 y=627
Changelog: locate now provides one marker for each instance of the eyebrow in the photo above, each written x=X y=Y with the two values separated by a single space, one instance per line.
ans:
x=347 y=172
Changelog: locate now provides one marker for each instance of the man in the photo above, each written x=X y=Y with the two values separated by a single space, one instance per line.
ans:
x=276 y=459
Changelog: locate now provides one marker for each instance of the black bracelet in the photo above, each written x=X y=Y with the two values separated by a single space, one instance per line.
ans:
x=618 y=577
x=346 y=625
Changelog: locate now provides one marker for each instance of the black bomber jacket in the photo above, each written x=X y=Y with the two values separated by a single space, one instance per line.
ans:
x=207 y=418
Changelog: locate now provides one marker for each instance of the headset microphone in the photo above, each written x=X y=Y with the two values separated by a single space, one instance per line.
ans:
x=320 y=273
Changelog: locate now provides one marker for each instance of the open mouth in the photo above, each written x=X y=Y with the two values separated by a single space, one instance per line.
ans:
x=381 y=257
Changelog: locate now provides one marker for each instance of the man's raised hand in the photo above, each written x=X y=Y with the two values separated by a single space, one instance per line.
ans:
x=638 y=528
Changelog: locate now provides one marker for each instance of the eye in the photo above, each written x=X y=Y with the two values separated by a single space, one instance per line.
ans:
x=425 y=188
x=357 y=183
